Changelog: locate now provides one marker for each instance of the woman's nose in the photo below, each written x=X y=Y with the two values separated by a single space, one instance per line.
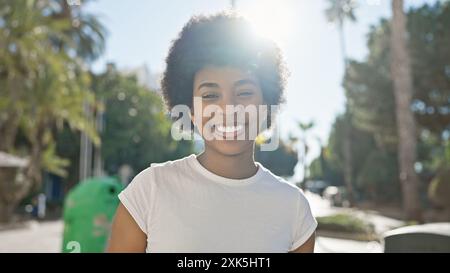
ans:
x=228 y=99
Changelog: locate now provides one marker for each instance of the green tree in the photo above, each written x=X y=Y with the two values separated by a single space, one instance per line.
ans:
x=86 y=32
x=370 y=89
x=137 y=131
x=45 y=87
x=281 y=161
x=305 y=127
x=338 y=12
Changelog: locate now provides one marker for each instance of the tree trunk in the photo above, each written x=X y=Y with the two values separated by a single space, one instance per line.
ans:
x=34 y=169
x=8 y=131
x=342 y=43
x=6 y=212
x=347 y=151
x=406 y=128
x=348 y=159
x=9 y=126
x=305 y=164
x=12 y=191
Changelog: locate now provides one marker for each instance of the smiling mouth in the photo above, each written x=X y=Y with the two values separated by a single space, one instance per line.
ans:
x=228 y=132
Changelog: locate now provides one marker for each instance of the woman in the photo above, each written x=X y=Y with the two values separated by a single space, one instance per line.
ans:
x=221 y=200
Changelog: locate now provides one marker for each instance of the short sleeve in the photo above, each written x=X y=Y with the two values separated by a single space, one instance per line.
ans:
x=137 y=198
x=305 y=223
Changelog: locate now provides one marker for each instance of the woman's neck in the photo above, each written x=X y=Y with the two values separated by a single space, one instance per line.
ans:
x=238 y=166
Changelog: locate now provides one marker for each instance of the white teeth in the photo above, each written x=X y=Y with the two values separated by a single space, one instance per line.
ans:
x=229 y=129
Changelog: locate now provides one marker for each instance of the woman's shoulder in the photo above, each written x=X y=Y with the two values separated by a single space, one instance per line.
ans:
x=278 y=183
x=160 y=171
x=170 y=164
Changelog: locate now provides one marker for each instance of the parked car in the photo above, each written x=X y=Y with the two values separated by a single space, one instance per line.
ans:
x=336 y=195
x=317 y=186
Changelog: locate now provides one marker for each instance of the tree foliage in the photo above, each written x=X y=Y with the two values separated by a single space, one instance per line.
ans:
x=369 y=91
x=136 y=127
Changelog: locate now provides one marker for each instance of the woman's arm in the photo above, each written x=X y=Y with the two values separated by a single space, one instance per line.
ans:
x=126 y=236
x=308 y=246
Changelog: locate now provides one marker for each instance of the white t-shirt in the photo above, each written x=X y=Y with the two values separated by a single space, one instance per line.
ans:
x=183 y=207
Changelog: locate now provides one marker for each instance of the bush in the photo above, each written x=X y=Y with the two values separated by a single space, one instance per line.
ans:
x=343 y=222
x=439 y=189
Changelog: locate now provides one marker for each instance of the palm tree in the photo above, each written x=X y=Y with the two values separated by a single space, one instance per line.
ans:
x=44 y=87
x=406 y=127
x=63 y=27
x=338 y=12
x=87 y=33
x=25 y=37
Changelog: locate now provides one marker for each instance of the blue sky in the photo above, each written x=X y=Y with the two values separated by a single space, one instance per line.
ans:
x=140 y=33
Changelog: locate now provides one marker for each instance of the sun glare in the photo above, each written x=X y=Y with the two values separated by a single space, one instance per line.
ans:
x=271 y=19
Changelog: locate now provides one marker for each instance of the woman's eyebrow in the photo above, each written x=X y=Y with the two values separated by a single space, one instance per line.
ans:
x=244 y=81
x=208 y=84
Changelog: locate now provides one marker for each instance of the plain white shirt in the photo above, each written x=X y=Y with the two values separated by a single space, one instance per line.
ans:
x=183 y=207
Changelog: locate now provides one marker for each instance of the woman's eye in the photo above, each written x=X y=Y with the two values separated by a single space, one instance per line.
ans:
x=209 y=96
x=245 y=93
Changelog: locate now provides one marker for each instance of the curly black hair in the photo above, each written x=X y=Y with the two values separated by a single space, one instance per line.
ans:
x=223 y=39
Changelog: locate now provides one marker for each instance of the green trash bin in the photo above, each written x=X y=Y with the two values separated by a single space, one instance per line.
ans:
x=89 y=209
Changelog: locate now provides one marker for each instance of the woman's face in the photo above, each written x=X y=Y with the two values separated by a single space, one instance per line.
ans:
x=219 y=89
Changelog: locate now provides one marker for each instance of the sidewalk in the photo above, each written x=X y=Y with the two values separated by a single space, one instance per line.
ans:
x=321 y=207
x=37 y=237
x=332 y=245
